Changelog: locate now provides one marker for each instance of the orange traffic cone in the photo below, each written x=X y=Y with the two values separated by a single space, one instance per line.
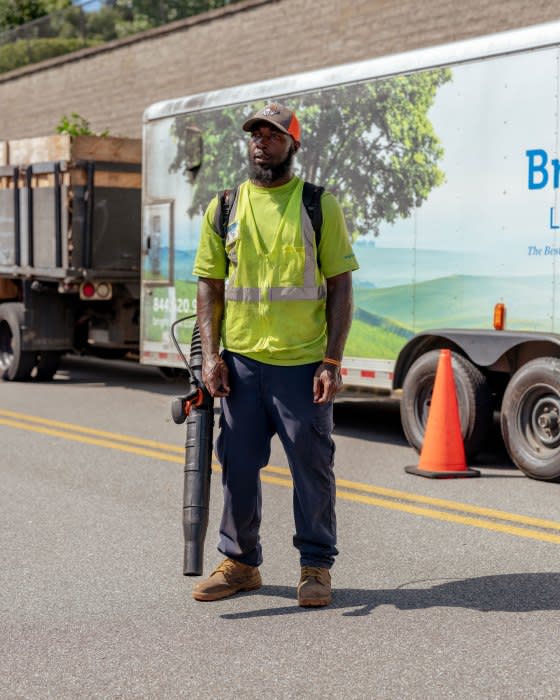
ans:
x=443 y=452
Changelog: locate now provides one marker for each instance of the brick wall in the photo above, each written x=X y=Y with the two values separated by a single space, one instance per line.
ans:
x=245 y=42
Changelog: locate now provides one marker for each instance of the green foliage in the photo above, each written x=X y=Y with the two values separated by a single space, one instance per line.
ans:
x=169 y=10
x=103 y=23
x=60 y=21
x=371 y=144
x=14 y=13
x=22 y=53
x=76 y=125
x=140 y=23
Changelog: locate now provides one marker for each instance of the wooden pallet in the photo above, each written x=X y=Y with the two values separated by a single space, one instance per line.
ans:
x=62 y=147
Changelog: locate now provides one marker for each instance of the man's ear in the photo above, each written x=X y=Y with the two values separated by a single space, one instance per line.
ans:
x=296 y=145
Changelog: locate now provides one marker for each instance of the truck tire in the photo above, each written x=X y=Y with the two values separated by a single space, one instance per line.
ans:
x=530 y=418
x=15 y=365
x=47 y=365
x=473 y=397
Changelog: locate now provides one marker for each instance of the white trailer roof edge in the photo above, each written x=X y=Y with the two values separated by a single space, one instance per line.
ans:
x=534 y=37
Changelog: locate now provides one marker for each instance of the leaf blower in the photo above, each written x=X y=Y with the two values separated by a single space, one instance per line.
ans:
x=197 y=409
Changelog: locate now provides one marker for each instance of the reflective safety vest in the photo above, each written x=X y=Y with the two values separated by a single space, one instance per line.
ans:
x=275 y=292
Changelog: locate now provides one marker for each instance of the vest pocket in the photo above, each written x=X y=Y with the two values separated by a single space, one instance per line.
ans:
x=290 y=266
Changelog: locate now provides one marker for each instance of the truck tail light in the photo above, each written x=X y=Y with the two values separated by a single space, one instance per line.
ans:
x=96 y=291
x=500 y=316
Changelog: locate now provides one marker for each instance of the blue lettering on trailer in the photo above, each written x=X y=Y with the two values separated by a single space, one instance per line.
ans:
x=553 y=224
x=538 y=174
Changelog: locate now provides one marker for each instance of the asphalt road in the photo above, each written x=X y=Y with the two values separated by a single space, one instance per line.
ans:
x=443 y=589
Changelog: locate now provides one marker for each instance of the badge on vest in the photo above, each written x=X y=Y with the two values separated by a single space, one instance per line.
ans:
x=232 y=232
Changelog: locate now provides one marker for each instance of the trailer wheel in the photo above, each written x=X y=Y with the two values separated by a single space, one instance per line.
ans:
x=15 y=365
x=47 y=366
x=473 y=397
x=530 y=418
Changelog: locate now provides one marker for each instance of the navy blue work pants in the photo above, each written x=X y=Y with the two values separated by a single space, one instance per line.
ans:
x=266 y=400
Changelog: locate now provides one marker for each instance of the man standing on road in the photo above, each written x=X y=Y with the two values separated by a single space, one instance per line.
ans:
x=282 y=311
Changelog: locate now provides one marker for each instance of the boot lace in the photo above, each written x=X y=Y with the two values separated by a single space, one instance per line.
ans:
x=233 y=570
x=312 y=572
x=226 y=567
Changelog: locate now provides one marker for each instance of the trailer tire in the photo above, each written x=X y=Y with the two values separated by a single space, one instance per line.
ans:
x=15 y=364
x=47 y=366
x=530 y=418
x=473 y=397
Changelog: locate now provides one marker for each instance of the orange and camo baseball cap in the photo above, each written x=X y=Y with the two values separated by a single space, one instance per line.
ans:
x=277 y=115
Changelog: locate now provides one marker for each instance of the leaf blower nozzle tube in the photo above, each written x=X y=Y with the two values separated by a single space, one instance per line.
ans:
x=198 y=467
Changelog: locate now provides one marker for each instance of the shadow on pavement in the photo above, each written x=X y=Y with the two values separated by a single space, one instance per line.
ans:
x=513 y=593
x=374 y=419
x=369 y=419
x=75 y=369
x=378 y=420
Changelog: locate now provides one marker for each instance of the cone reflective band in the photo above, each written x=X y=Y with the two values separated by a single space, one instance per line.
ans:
x=443 y=451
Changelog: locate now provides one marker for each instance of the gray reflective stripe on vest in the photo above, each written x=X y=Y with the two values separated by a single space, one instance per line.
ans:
x=297 y=293
x=309 y=292
x=242 y=293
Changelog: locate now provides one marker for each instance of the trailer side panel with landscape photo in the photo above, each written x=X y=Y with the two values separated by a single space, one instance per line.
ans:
x=446 y=164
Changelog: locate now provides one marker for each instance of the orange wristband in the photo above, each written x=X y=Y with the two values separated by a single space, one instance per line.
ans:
x=330 y=361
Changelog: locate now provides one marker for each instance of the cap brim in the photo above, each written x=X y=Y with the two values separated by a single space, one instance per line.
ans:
x=250 y=123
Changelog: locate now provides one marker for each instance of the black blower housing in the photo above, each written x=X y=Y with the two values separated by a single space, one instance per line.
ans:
x=198 y=410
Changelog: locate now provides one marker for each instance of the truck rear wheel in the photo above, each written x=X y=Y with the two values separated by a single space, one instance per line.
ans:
x=473 y=397
x=530 y=418
x=15 y=364
x=47 y=365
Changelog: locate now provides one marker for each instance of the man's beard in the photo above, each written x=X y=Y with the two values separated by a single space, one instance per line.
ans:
x=269 y=174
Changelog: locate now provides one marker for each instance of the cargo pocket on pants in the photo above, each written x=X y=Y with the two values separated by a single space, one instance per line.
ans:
x=323 y=426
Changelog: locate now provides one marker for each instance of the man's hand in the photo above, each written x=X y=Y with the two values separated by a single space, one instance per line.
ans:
x=215 y=375
x=326 y=383
x=327 y=380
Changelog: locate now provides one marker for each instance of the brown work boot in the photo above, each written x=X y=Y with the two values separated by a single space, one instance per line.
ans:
x=229 y=578
x=314 y=589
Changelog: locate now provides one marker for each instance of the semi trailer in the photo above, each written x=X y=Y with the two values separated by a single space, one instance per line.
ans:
x=445 y=161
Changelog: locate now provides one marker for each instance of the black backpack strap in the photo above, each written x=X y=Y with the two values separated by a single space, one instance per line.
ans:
x=312 y=202
x=226 y=198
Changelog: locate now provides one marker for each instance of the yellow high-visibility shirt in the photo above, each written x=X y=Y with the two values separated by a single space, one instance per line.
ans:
x=275 y=291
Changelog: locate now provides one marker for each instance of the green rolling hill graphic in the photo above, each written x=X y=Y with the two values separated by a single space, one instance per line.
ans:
x=385 y=318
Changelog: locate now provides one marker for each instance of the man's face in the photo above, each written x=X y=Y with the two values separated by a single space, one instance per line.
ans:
x=268 y=145
x=271 y=153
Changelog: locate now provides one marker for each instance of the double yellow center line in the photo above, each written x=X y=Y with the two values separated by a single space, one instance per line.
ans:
x=391 y=499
